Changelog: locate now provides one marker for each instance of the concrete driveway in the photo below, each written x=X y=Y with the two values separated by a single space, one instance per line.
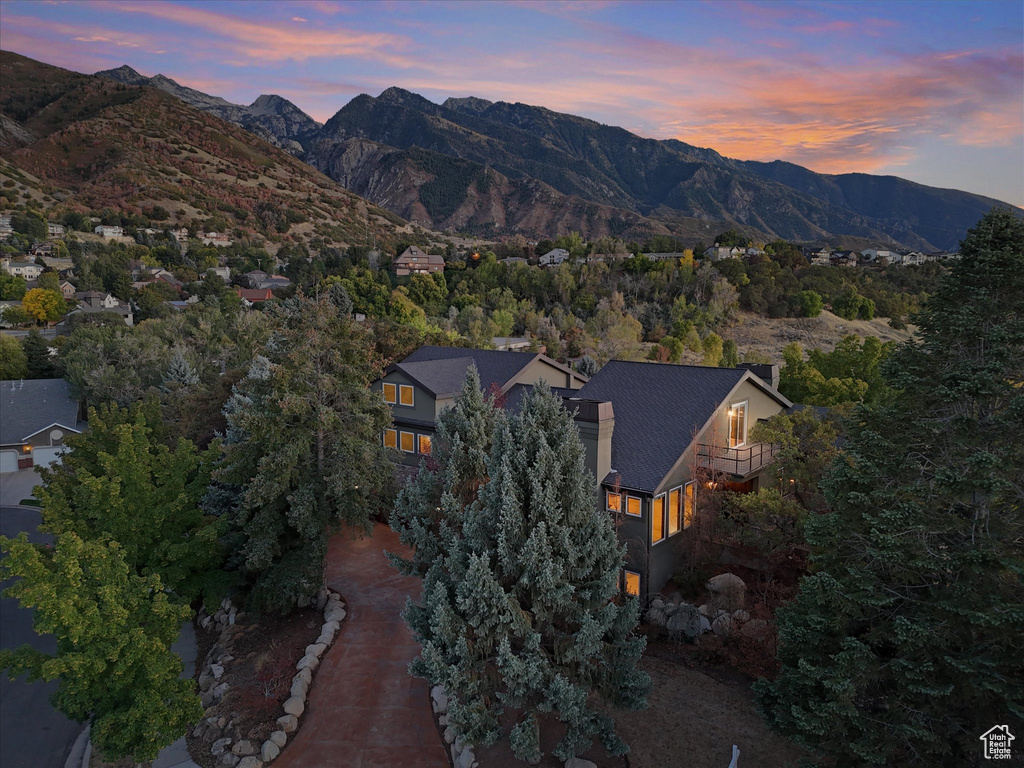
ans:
x=15 y=486
x=32 y=733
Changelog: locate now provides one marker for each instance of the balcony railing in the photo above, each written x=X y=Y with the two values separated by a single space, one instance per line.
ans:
x=737 y=461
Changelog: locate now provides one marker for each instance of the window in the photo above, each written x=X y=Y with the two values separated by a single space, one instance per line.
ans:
x=738 y=425
x=688 y=508
x=389 y=393
x=658 y=519
x=425 y=444
x=633 y=506
x=408 y=442
x=390 y=438
x=405 y=394
x=633 y=583
x=614 y=501
x=675 y=510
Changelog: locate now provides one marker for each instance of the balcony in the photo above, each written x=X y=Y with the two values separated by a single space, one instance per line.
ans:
x=739 y=462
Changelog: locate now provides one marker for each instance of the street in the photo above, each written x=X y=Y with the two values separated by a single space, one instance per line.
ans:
x=32 y=733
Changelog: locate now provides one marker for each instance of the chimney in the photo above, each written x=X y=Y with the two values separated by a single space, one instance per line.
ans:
x=596 y=422
x=769 y=374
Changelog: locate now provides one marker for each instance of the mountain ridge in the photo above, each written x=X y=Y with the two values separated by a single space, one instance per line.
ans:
x=492 y=167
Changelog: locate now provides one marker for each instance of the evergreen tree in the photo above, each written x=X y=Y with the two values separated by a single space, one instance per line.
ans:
x=587 y=366
x=903 y=646
x=521 y=607
x=114 y=631
x=119 y=481
x=40 y=365
x=457 y=469
x=304 y=446
x=180 y=373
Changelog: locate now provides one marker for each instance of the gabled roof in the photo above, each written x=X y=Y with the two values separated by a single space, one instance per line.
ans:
x=494 y=366
x=255 y=294
x=32 y=405
x=659 y=409
x=414 y=253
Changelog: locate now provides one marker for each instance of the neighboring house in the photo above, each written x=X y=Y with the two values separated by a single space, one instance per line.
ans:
x=843 y=259
x=274 y=281
x=218 y=239
x=513 y=260
x=664 y=256
x=26 y=269
x=912 y=258
x=104 y=230
x=180 y=235
x=427 y=381
x=554 y=257
x=252 y=296
x=41 y=249
x=38 y=414
x=652 y=434
x=818 y=256
x=877 y=255
x=609 y=257
x=5 y=222
x=719 y=252
x=67 y=289
x=511 y=343
x=224 y=273
x=54 y=230
x=254 y=278
x=97 y=302
x=413 y=260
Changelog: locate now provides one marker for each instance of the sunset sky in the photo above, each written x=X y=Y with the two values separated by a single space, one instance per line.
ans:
x=933 y=92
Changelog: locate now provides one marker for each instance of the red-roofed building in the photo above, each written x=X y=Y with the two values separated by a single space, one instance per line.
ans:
x=254 y=295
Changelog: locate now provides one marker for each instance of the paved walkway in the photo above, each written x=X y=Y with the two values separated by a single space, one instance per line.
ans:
x=365 y=710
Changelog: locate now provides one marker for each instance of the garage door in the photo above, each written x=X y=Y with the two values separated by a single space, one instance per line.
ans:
x=44 y=455
x=8 y=461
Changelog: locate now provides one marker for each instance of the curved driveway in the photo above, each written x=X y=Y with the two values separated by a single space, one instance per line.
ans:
x=365 y=710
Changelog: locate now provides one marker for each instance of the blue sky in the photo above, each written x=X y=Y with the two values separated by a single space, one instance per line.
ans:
x=931 y=91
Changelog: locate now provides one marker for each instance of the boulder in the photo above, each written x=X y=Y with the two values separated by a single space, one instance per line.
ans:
x=685 y=622
x=288 y=723
x=722 y=625
x=331 y=625
x=704 y=610
x=439 y=700
x=316 y=649
x=227 y=760
x=220 y=746
x=758 y=629
x=466 y=758
x=280 y=738
x=306 y=675
x=740 y=616
x=294 y=706
x=442 y=720
x=728 y=592
x=251 y=762
x=205 y=681
x=656 y=616
x=269 y=751
x=579 y=762
x=200 y=730
x=669 y=611
x=299 y=688
x=243 y=748
x=335 y=613
x=217 y=671
x=449 y=735
x=311 y=662
x=705 y=625
x=220 y=691
x=322 y=597
x=206 y=622
x=303 y=601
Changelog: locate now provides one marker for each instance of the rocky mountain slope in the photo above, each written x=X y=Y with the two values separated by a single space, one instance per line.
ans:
x=472 y=164
x=109 y=145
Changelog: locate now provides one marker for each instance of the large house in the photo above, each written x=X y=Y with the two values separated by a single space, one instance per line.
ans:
x=99 y=302
x=105 y=230
x=20 y=268
x=37 y=415
x=653 y=433
x=414 y=261
x=554 y=257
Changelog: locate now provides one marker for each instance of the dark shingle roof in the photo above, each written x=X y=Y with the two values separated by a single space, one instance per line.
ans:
x=26 y=407
x=658 y=409
x=494 y=366
x=439 y=377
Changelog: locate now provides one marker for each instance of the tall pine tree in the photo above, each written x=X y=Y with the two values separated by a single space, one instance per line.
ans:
x=521 y=606
x=904 y=646
x=304 y=447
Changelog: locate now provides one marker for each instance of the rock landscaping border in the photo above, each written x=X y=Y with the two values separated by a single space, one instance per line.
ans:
x=230 y=749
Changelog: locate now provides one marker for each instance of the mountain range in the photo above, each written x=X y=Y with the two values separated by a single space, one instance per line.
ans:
x=493 y=167
x=97 y=144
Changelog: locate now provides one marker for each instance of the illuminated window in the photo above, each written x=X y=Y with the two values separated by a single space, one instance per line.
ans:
x=633 y=583
x=614 y=503
x=389 y=393
x=737 y=425
x=405 y=394
x=675 y=510
x=408 y=442
x=633 y=506
x=425 y=444
x=688 y=508
x=390 y=438
x=658 y=519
